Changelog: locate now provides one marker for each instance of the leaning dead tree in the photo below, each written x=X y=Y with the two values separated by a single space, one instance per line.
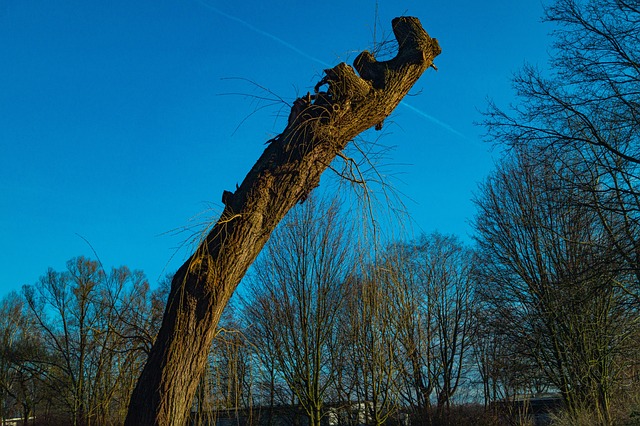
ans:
x=320 y=126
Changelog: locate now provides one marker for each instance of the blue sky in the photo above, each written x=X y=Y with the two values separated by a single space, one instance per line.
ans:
x=119 y=120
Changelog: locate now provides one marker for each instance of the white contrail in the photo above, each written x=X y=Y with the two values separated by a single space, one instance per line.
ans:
x=265 y=33
x=320 y=61
x=433 y=119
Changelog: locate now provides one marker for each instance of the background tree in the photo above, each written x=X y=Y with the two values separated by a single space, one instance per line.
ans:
x=369 y=369
x=20 y=345
x=580 y=124
x=62 y=304
x=227 y=386
x=271 y=389
x=415 y=328
x=506 y=375
x=445 y=266
x=588 y=110
x=90 y=350
x=126 y=306
x=550 y=275
x=297 y=293
x=435 y=307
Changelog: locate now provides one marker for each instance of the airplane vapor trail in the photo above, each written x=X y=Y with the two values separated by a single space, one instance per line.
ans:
x=264 y=33
x=433 y=119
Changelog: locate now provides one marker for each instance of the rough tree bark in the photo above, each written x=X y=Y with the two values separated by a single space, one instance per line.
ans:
x=320 y=126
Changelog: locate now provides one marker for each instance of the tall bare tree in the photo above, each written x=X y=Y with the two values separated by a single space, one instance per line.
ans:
x=65 y=309
x=415 y=330
x=588 y=106
x=445 y=266
x=297 y=295
x=87 y=353
x=20 y=346
x=370 y=365
x=550 y=275
x=581 y=123
x=433 y=301
x=319 y=128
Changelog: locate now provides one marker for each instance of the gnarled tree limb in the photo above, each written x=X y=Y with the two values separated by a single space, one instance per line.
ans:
x=320 y=126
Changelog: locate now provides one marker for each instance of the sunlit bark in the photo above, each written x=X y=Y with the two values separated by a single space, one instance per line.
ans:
x=320 y=126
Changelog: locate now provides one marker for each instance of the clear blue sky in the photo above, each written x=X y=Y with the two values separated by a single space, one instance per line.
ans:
x=114 y=125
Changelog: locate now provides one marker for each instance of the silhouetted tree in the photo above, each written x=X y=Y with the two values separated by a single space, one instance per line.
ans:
x=369 y=367
x=434 y=317
x=90 y=348
x=20 y=389
x=549 y=274
x=297 y=294
x=588 y=110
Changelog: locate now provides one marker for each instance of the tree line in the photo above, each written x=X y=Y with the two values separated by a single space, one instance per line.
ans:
x=73 y=343
x=319 y=326
x=544 y=300
x=428 y=330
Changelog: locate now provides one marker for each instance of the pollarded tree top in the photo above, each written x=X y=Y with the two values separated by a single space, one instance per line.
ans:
x=415 y=47
x=321 y=125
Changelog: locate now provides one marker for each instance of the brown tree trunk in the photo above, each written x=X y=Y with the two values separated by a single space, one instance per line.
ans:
x=320 y=126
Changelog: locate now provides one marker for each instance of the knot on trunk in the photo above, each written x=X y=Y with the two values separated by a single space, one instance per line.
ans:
x=344 y=84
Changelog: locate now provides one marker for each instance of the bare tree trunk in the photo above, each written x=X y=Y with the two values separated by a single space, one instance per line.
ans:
x=320 y=126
